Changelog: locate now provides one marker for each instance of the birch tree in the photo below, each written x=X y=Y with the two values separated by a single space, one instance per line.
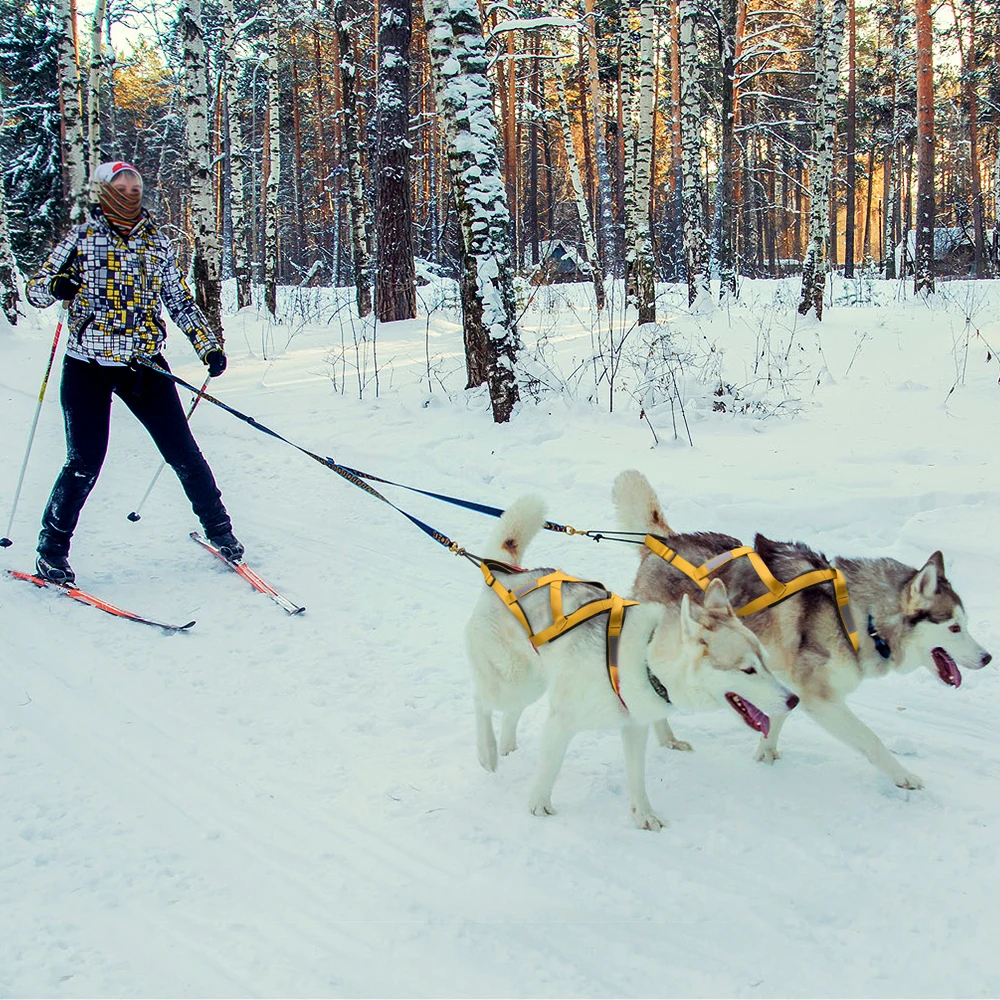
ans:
x=395 y=279
x=695 y=241
x=830 y=17
x=645 y=268
x=74 y=152
x=207 y=248
x=9 y=294
x=352 y=155
x=923 y=269
x=465 y=104
x=96 y=83
x=726 y=27
x=237 y=158
x=602 y=210
x=273 y=162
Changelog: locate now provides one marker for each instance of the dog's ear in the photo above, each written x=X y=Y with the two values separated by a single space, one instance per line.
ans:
x=925 y=583
x=716 y=598
x=689 y=627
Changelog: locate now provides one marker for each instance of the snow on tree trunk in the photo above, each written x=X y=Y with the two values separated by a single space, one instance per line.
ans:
x=726 y=205
x=9 y=294
x=74 y=148
x=645 y=268
x=830 y=18
x=395 y=278
x=923 y=269
x=273 y=163
x=465 y=104
x=95 y=86
x=352 y=155
x=604 y=228
x=554 y=66
x=695 y=242
x=629 y=97
x=207 y=248
x=237 y=156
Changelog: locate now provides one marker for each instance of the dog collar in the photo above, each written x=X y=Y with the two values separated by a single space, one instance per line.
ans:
x=657 y=686
x=881 y=646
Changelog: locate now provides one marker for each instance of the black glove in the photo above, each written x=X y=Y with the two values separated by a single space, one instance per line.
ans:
x=216 y=362
x=64 y=287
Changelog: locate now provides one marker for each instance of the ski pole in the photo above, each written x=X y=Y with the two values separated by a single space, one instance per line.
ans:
x=5 y=542
x=135 y=515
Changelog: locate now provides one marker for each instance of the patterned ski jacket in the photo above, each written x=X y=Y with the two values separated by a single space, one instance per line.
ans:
x=116 y=313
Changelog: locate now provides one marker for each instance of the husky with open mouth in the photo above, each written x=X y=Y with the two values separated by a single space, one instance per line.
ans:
x=905 y=618
x=684 y=655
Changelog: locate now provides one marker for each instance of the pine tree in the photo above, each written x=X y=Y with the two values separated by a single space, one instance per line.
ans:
x=29 y=145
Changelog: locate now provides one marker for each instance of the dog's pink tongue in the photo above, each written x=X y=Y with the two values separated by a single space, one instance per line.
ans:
x=947 y=668
x=758 y=720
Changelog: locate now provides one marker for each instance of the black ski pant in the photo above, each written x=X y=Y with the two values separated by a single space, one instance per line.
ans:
x=86 y=392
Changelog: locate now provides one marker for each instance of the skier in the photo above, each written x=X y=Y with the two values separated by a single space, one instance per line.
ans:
x=113 y=271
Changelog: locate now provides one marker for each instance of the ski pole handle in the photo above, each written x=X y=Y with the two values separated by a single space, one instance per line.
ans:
x=5 y=542
x=134 y=515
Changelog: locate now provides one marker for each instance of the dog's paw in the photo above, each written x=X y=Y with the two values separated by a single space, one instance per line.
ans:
x=907 y=779
x=676 y=745
x=486 y=751
x=542 y=808
x=507 y=746
x=766 y=754
x=647 y=820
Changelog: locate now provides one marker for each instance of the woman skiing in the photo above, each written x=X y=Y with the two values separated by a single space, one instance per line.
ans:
x=113 y=271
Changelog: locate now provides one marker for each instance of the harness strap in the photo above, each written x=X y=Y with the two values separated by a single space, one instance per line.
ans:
x=777 y=591
x=561 y=622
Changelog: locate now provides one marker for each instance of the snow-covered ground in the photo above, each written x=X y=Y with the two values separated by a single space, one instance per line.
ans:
x=275 y=806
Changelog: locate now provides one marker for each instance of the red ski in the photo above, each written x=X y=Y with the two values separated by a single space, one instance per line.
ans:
x=95 y=602
x=242 y=569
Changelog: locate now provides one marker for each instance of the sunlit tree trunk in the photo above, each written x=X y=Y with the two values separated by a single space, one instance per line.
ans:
x=74 y=151
x=726 y=202
x=273 y=162
x=645 y=268
x=852 y=131
x=602 y=211
x=96 y=83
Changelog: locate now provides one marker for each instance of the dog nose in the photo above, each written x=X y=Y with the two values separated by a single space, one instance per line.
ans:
x=987 y=659
x=792 y=701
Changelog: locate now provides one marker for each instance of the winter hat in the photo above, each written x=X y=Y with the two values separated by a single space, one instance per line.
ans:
x=123 y=211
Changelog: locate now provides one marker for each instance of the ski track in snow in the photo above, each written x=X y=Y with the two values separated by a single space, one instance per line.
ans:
x=292 y=806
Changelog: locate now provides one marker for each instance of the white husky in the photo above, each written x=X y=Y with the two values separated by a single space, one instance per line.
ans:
x=682 y=656
x=906 y=618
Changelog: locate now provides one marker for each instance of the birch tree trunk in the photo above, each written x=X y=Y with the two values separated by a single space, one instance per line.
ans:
x=237 y=154
x=852 y=129
x=95 y=84
x=207 y=248
x=74 y=151
x=273 y=163
x=602 y=211
x=465 y=104
x=579 y=195
x=9 y=294
x=695 y=242
x=645 y=268
x=830 y=17
x=628 y=94
x=726 y=201
x=352 y=156
x=395 y=278
x=923 y=270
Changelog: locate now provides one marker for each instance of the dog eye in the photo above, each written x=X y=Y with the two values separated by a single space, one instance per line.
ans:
x=749 y=670
x=955 y=628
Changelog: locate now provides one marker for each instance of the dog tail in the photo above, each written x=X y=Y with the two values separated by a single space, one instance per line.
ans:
x=519 y=524
x=637 y=505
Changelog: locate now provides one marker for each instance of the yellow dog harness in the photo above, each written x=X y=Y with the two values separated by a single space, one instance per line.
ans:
x=776 y=590
x=561 y=622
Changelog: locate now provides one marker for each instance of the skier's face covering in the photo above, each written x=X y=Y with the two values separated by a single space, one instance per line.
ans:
x=121 y=199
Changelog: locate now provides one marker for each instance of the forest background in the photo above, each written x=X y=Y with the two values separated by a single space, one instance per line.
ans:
x=378 y=144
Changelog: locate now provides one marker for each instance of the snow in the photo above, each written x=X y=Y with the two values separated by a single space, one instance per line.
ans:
x=275 y=806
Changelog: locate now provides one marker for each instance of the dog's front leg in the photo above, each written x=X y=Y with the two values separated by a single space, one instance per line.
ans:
x=767 y=748
x=666 y=738
x=555 y=740
x=839 y=721
x=634 y=744
x=486 y=740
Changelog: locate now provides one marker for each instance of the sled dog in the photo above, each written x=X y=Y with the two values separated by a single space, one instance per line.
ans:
x=684 y=655
x=905 y=618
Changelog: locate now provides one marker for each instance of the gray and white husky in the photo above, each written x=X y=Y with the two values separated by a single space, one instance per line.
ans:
x=906 y=618
x=685 y=655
